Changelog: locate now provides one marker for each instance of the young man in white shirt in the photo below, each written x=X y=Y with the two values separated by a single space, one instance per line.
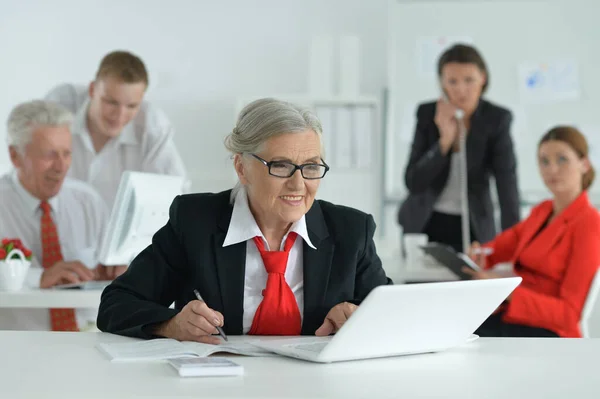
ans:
x=60 y=220
x=114 y=129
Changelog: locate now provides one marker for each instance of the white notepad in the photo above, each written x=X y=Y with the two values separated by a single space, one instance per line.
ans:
x=206 y=367
x=164 y=348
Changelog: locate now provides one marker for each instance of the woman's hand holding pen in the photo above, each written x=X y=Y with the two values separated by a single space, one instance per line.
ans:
x=478 y=254
x=446 y=123
x=195 y=322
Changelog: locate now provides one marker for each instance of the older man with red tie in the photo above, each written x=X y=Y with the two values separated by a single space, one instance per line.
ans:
x=61 y=220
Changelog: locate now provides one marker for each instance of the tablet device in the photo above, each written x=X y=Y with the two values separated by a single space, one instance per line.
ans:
x=448 y=257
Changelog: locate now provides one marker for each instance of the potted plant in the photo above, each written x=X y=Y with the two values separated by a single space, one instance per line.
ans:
x=15 y=260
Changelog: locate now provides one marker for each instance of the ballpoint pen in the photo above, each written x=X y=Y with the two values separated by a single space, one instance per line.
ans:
x=219 y=329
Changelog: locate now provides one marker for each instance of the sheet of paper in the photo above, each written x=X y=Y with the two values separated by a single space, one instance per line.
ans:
x=159 y=349
x=243 y=348
x=429 y=49
x=548 y=82
x=155 y=349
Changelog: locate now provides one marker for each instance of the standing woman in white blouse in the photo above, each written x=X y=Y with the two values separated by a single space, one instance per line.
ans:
x=433 y=178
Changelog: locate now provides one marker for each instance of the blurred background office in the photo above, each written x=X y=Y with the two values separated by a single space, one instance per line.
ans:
x=365 y=65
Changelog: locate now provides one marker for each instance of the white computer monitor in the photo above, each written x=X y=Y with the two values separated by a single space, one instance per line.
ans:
x=141 y=208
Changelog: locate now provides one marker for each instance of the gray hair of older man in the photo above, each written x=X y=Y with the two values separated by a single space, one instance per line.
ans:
x=265 y=118
x=26 y=117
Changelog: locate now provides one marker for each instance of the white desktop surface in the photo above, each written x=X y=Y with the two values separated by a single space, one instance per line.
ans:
x=67 y=365
x=49 y=298
x=400 y=271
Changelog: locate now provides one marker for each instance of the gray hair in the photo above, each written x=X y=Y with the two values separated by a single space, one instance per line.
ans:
x=265 y=118
x=25 y=117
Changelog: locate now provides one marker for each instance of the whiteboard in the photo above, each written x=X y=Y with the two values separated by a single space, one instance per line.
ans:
x=508 y=34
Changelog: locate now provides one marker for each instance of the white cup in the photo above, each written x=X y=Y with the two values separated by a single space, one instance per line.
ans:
x=415 y=256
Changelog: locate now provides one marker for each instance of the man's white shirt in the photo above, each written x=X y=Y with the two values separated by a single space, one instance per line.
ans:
x=80 y=216
x=144 y=145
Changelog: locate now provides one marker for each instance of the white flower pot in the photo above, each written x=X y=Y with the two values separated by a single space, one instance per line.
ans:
x=13 y=271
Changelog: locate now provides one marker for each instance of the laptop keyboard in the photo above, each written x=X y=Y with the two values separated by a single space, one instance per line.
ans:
x=313 y=347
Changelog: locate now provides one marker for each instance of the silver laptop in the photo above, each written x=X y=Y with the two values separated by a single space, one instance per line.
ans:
x=404 y=319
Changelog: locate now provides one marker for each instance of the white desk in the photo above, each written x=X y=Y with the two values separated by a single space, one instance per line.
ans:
x=42 y=363
x=38 y=298
x=396 y=268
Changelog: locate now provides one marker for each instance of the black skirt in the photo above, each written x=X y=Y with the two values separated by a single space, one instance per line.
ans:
x=446 y=229
x=495 y=327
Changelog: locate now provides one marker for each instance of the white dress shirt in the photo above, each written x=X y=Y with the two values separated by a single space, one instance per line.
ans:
x=243 y=227
x=80 y=216
x=144 y=145
x=449 y=200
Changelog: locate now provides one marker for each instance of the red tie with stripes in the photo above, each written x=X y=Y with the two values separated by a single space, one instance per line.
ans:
x=278 y=313
x=60 y=319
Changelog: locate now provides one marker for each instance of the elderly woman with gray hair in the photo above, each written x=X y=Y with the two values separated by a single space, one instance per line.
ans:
x=265 y=257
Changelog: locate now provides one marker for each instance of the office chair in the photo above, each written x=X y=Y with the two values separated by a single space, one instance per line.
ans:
x=592 y=302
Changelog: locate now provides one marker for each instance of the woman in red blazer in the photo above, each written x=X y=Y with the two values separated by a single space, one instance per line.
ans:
x=556 y=250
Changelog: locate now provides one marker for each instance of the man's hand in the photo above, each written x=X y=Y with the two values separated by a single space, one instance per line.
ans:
x=336 y=318
x=65 y=273
x=103 y=272
x=195 y=322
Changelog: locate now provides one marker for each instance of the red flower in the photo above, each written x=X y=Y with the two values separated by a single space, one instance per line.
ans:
x=14 y=241
x=8 y=244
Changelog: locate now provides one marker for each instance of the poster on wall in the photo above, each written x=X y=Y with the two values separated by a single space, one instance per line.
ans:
x=429 y=49
x=549 y=82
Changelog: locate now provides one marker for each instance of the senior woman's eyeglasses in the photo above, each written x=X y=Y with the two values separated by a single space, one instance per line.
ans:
x=285 y=169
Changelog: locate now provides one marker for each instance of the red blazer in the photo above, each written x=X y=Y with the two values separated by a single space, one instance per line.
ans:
x=557 y=266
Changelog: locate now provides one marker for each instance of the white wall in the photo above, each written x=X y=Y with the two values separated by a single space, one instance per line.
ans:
x=565 y=29
x=201 y=54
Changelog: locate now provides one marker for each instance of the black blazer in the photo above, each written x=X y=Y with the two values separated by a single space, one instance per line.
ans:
x=187 y=254
x=489 y=153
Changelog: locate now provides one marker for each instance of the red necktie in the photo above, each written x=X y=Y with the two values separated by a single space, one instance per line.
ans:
x=278 y=313
x=60 y=319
